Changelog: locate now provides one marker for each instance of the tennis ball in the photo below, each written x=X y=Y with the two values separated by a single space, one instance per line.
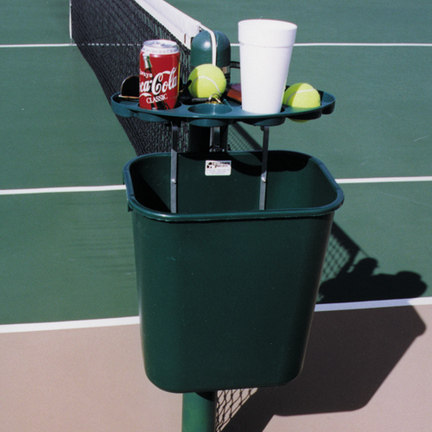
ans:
x=207 y=80
x=301 y=95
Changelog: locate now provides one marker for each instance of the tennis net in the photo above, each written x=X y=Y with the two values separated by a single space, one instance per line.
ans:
x=110 y=34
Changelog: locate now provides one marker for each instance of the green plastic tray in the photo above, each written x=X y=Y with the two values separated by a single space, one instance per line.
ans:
x=214 y=115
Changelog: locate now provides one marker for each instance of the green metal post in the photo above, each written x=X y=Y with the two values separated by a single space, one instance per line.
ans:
x=199 y=412
x=204 y=139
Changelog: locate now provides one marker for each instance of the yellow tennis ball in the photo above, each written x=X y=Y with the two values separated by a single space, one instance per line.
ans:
x=207 y=80
x=301 y=95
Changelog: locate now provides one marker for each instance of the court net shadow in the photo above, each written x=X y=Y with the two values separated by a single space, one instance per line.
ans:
x=350 y=353
x=349 y=275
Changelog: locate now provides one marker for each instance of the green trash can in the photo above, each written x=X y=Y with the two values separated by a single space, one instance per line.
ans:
x=227 y=291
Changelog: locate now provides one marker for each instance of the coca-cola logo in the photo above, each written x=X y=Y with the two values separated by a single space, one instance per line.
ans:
x=158 y=84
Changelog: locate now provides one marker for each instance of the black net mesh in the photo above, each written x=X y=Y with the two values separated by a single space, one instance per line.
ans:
x=110 y=34
x=342 y=252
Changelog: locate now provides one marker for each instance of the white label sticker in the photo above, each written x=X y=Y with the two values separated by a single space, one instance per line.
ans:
x=218 y=168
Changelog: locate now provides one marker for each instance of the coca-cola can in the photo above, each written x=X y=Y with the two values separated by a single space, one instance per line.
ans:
x=159 y=74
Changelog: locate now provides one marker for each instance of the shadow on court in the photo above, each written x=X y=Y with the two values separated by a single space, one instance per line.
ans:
x=349 y=275
x=350 y=353
x=361 y=284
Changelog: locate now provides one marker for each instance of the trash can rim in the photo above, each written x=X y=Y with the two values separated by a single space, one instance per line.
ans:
x=283 y=213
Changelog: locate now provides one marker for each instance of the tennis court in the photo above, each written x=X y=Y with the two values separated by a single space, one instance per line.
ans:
x=69 y=334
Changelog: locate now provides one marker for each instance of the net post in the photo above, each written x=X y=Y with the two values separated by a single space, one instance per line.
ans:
x=213 y=43
x=199 y=412
x=199 y=139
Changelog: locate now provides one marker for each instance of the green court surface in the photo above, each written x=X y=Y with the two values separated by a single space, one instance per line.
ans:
x=69 y=255
x=35 y=22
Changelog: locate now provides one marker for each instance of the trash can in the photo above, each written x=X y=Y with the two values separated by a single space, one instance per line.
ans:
x=227 y=291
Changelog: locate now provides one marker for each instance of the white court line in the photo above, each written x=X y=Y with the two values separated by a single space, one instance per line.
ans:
x=376 y=304
x=68 y=325
x=38 y=45
x=66 y=189
x=357 y=44
x=360 y=44
x=385 y=180
x=134 y=320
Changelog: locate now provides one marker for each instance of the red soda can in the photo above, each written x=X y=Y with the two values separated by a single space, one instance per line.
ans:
x=159 y=74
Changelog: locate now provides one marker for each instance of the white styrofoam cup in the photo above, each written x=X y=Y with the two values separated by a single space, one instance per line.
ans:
x=265 y=54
